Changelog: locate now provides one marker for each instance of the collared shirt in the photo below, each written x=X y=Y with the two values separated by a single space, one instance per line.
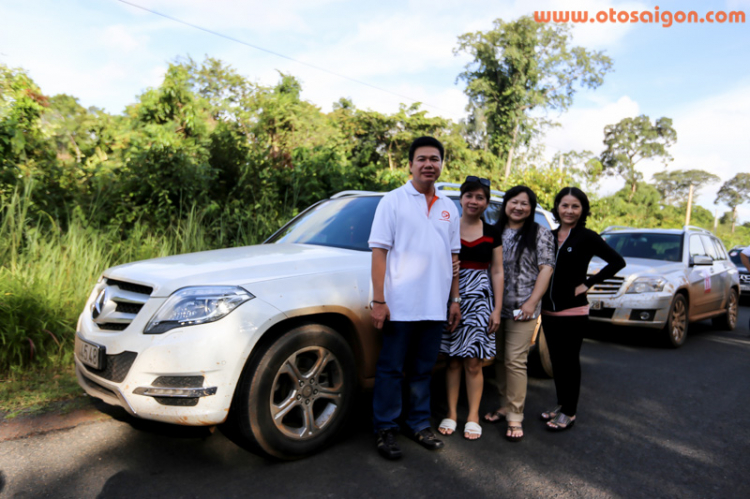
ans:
x=420 y=241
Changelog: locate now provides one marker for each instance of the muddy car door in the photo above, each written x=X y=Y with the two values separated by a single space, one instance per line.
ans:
x=699 y=277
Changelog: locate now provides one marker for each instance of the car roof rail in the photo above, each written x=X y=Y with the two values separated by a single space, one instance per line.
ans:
x=616 y=227
x=442 y=186
x=695 y=228
x=344 y=194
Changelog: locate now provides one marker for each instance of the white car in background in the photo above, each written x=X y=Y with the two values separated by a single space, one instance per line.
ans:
x=672 y=277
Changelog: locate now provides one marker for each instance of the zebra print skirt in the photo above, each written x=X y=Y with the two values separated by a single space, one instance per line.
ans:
x=471 y=339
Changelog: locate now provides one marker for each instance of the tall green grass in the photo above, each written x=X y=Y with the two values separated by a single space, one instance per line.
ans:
x=47 y=273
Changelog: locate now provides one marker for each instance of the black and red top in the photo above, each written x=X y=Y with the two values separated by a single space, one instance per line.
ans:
x=477 y=254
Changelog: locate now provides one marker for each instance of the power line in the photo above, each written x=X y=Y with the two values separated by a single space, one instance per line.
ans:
x=277 y=54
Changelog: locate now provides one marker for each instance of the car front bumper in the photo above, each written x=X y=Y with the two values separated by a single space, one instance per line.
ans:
x=649 y=310
x=184 y=376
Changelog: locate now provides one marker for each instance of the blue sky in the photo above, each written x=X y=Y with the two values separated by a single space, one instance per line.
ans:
x=106 y=53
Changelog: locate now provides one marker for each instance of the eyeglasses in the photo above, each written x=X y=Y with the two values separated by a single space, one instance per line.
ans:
x=484 y=181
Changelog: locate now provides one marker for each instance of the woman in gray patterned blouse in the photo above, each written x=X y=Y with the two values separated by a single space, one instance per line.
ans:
x=528 y=261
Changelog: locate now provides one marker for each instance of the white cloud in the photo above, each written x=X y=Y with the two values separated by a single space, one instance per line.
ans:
x=250 y=15
x=120 y=37
x=583 y=128
x=712 y=136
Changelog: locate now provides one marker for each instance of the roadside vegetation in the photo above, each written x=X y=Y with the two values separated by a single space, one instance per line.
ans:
x=210 y=159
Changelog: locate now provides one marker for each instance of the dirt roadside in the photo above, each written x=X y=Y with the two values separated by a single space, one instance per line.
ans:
x=57 y=416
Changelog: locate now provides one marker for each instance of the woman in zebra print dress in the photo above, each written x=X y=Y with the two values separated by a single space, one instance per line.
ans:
x=474 y=340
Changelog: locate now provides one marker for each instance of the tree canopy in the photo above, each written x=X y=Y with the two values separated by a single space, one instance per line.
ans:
x=632 y=140
x=519 y=67
x=674 y=185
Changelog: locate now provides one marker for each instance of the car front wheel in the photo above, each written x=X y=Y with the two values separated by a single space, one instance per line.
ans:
x=675 y=331
x=293 y=399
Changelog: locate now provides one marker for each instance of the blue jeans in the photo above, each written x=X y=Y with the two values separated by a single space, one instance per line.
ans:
x=420 y=341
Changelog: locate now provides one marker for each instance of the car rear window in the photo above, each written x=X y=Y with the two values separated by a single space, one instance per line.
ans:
x=665 y=247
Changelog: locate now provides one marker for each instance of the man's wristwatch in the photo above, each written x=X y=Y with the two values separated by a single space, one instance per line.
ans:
x=456 y=299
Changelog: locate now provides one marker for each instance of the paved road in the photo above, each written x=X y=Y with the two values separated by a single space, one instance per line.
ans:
x=653 y=422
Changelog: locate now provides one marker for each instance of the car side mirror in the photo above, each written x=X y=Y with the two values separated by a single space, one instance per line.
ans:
x=701 y=260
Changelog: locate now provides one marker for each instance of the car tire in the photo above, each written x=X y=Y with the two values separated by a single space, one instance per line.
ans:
x=539 y=363
x=293 y=398
x=544 y=354
x=675 y=331
x=728 y=321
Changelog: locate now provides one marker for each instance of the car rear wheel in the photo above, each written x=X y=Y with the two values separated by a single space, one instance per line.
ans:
x=675 y=331
x=728 y=321
x=293 y=399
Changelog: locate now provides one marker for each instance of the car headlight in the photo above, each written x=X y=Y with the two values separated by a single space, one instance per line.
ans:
x=647 y=285
x=196 y=305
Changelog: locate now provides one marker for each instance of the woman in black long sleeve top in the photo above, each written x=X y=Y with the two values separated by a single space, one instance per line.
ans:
x=565 y=310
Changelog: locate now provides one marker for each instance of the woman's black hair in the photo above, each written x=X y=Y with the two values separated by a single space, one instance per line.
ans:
x=527 y=234
x=471 y=186
x=580 y=196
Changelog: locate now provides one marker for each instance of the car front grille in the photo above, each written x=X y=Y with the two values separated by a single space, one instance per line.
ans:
x=608 y=287
x=116 y=367
x=745 y=278
x=118 y=303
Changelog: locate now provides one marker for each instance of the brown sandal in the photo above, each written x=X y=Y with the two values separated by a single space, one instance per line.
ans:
x=514 y=428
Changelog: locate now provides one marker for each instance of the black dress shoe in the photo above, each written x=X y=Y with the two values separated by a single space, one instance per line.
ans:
x=427 y=439
x=387 y=446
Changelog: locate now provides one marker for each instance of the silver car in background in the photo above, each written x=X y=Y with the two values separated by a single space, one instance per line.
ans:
x=672 y=277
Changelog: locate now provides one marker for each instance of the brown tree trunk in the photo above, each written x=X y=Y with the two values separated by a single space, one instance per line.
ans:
x=510 y=152
x=734 y=217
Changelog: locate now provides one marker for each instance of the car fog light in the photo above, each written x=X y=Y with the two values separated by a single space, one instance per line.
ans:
x=645 y=316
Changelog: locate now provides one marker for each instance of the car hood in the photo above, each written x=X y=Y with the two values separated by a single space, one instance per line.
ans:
x=639 y=266
x=236 y=266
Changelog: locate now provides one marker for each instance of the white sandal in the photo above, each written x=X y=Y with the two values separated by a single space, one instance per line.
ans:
x=472 y=428
x=447 y=424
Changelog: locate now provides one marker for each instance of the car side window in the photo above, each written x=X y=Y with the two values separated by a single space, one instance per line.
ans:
x=696 y=246
x=492 y=213
x=720 y=249
x=710 y=248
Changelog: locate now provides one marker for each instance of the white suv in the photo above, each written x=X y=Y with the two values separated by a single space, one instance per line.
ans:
x=672 y=277
x=278 y=334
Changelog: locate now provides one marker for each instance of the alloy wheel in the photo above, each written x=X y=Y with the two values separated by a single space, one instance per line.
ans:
x=307 y=392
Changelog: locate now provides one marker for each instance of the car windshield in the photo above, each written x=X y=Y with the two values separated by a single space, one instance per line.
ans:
x=666 y=247
x=734 y=255
x=341 y=223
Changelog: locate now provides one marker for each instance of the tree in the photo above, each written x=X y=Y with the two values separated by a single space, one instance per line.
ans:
x=520 y=67
x=674 y=186
x=582 y=166
x=734 y=192
x=632 y=140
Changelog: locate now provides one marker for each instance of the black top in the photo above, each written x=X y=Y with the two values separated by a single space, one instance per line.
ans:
x=572 y=264
x=477 y=254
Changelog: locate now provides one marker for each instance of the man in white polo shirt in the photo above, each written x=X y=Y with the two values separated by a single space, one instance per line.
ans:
x=415 y=238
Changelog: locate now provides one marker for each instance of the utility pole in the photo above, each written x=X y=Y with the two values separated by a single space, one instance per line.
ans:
x=716 y=219
x=689 y=205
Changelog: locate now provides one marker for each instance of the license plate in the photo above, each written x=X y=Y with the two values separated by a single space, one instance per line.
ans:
x=89 y=353
x=595 y=305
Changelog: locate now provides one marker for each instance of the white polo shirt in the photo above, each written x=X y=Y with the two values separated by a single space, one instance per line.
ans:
x=746 y=251
x=420 y=242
